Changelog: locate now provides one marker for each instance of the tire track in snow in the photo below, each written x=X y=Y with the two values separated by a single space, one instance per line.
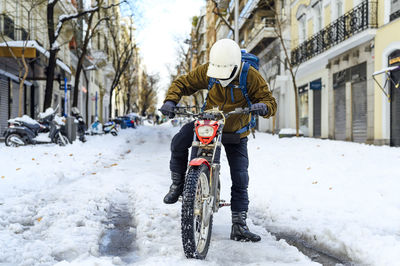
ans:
x=119 y=237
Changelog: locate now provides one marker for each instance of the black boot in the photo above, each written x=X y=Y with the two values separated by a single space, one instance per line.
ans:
x=240 y=231
x=175 y=189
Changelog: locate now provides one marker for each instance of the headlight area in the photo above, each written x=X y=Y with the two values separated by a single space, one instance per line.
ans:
x=205 y=131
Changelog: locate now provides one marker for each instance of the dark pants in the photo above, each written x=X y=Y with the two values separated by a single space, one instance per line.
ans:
x=237 y=158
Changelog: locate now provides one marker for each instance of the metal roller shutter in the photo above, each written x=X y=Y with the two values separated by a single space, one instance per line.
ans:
x=359 y=111
x=395 y=111
x=3 y=104
x=15 y=99
x=317 y=113
x=340 y=112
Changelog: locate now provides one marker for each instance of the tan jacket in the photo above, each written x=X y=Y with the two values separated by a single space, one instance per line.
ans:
x=197 y=79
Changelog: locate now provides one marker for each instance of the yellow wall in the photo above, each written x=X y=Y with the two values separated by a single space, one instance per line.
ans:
x=381 y=12
x=327 y=15
x=384 y=37
x=310 y=29
x=348 y=5
x=294 y=29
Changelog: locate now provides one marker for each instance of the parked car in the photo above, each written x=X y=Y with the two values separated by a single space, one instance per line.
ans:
x=125 y=122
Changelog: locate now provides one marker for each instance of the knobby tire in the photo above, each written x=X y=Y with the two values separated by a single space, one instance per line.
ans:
x=187 y=217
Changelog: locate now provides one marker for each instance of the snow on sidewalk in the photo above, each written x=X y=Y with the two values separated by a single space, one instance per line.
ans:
x=340 y=196
x=54 y=201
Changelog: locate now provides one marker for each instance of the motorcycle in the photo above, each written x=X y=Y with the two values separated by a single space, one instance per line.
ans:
x=24 y=131
x=81 y=123
x=201 y=193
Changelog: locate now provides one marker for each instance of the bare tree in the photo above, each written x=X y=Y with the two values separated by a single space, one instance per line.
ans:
x=148 y=93
x=87 y=34
x=122 y=52
x=53 y=32
x=278 y=29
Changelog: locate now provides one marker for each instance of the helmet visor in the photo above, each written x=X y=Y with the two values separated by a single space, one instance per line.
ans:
x=221 y=71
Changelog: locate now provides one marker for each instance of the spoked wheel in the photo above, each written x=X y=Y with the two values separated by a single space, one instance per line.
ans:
x=197 y=213
x=14 y=140
x=61 y=141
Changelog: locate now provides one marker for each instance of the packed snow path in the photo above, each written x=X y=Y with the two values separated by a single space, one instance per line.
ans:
x=55 y=202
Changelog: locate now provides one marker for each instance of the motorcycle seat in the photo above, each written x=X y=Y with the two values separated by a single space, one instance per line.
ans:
x=34 y=127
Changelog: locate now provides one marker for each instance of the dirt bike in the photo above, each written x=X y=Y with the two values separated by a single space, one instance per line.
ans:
x=201 y=193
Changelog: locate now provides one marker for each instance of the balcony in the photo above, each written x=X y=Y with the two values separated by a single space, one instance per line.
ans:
x=261 y=36
x=360 y=18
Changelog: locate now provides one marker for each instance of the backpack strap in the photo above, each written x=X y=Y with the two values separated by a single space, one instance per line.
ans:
x=211 y=82
x=243 y=88
x=243 y=82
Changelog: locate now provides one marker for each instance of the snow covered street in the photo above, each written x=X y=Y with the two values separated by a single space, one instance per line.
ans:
x=55 y=202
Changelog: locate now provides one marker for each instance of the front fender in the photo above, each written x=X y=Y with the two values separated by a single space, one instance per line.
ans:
x=199 y=161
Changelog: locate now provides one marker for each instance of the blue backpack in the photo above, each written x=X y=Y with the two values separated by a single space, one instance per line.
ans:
x=248 y=60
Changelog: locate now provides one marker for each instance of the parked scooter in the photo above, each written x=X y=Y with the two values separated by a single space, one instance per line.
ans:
x=23 y=131
x=81 y=123
x=111 y=127
x=98 y=129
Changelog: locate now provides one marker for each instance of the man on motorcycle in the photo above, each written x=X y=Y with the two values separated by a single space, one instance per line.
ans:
x=225 y=65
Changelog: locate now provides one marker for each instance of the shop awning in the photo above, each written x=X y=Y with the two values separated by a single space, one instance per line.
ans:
x=38 y=47
x=386 y=70
x=388 y=79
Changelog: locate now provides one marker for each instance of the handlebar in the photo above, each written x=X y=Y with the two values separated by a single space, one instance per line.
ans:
x=211 y=113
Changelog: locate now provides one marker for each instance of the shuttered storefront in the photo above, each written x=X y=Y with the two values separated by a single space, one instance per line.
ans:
x=395 y=110
x=359 y=111
x=15 y=99
x=340 y=112
x=339 y=95
x=3 y=104
x=316 y=87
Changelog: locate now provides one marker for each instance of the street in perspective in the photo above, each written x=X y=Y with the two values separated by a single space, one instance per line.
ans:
x=199 y=132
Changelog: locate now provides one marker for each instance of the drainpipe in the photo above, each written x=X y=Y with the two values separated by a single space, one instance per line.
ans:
x=236 y=21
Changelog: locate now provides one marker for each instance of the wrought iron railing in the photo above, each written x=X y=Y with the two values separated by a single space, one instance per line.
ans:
x=358 y=19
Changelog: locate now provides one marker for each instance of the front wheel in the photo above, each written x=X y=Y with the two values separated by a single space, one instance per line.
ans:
x=61 y=140
x=196 y=219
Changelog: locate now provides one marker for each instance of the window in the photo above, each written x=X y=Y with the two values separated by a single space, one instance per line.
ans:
x=8 y=25
x=339 y=8
x=394 y=9
x=318 y=17
x=302 y=29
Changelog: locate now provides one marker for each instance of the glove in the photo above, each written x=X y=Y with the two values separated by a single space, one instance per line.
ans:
x=259 y=109
x=167 y=109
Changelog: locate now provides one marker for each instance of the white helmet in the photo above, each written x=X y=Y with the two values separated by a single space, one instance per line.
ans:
x=225 y=61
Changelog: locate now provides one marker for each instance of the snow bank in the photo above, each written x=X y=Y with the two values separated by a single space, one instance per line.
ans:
x=341 y=196
x=289 y=131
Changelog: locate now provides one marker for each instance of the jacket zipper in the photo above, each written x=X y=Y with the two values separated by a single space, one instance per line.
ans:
x=226 y=98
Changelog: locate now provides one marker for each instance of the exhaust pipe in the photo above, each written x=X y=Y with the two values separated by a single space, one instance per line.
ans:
x=17 y=141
